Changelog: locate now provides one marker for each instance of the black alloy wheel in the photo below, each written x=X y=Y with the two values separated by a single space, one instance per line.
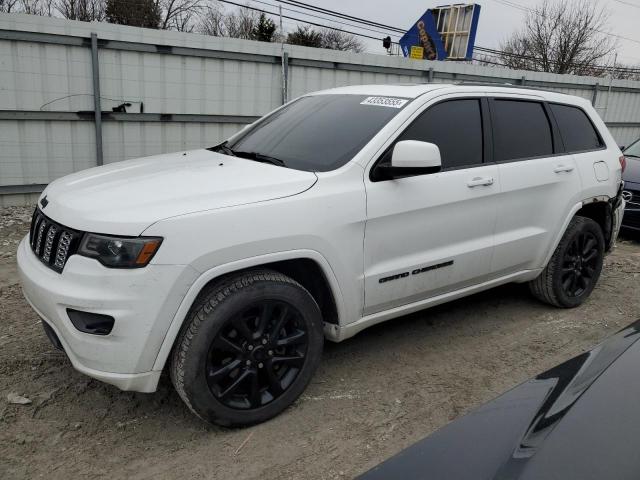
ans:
x=248 y=348
x=574 y=268
x=580 y=264
x=257 y=355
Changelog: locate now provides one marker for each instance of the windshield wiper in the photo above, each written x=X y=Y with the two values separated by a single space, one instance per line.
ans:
x=222 y=148
x=259 y=157
x=630 y=155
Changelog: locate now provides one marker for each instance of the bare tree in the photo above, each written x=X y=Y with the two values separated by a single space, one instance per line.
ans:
x=8 y=6
x=337 y=40
x=179 y=14
x=34 y=7
x=211 y=21
x=562 y=37
x=241 y=23
x=83 y=10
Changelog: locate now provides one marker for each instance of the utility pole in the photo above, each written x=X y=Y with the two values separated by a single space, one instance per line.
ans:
x=281 y=30
x=611 y=74
x=285 y=61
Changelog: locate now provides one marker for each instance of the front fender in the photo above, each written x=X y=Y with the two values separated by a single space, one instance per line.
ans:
x=218 y=271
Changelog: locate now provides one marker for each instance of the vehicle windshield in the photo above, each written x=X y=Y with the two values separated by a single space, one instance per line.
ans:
x=633 y=150
x=318 y=133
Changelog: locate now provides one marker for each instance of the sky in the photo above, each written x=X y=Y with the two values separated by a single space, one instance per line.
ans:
x=497 y=19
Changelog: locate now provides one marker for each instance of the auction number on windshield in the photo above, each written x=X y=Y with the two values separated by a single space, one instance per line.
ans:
x=384 y=102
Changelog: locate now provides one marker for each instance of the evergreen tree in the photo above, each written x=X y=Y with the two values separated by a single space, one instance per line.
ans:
x=140 y=13
x=306 y=37
x=265 y=28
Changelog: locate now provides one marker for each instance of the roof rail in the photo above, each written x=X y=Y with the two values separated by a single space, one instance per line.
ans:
x=499 y=84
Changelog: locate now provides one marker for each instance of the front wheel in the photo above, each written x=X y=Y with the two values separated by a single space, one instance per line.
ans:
x=572 y=273
x=248 y=349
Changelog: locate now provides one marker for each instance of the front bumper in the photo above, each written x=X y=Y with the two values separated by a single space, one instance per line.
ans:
x=142 y=302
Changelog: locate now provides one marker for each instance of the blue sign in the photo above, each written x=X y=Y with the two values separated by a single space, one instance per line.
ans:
x=431 y=33
x=424 y=34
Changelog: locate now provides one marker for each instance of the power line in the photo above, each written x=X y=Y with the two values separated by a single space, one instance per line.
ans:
x=300 y=20
x=627 y=3
x=324 y=18
x=526 y=9
x=340 y=14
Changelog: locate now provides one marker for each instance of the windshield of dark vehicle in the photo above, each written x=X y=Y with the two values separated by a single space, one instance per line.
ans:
x=633 y=150
x=318 y=133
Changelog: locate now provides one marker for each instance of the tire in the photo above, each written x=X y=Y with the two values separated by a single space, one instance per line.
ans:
x=570 y=276
x=248 y=349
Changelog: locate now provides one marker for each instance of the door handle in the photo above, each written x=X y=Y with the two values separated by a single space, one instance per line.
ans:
x=563 y=168
x=480 y=182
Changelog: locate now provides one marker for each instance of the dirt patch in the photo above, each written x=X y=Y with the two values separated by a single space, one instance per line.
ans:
x=373 y=395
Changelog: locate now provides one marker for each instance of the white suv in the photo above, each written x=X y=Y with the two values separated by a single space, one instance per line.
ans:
x=340 y=210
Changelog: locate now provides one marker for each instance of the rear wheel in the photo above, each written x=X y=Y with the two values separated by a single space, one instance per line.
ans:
x=574 y=269
x=248 y=349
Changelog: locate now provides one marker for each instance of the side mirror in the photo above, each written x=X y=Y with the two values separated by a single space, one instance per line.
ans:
x=415 y=154
x=411 y=157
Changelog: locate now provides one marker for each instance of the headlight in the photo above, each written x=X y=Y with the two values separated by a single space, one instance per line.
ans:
x=115 y=252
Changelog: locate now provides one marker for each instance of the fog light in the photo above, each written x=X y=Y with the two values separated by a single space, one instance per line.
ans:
x=93 y=323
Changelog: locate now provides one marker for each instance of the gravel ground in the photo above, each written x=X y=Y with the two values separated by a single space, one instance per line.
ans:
x=372 y=396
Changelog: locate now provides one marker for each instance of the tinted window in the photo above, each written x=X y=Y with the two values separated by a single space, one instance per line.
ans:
x=578 y=133
x=520 y=130
x=320 y=132
x=455 y=126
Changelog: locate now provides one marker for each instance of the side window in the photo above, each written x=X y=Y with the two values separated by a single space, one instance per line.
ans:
x=455 y=126
x=577 y=131
x=521 y=130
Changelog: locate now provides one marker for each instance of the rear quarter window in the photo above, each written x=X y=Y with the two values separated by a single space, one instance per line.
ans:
x=576 y=129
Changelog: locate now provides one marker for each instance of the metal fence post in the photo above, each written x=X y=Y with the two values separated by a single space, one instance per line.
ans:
x=594 y=97
x=285 y=77
x=430 y=75
x=97 y=110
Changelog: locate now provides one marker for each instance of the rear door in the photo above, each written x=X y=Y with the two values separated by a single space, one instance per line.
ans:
x=539 y=183
x=581 y=139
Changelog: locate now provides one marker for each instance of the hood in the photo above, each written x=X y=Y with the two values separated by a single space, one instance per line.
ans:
x=124 y=198
x=577 y=421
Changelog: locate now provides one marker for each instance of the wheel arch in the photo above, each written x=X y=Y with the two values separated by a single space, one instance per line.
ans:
x=307 y=267
x=596 y=208
x=600 y=212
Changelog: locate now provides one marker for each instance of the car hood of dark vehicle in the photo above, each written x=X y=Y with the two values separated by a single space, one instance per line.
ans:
x=632 y=172
x=577 y=421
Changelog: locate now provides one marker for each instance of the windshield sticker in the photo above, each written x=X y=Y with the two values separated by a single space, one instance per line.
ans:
x=384 y=102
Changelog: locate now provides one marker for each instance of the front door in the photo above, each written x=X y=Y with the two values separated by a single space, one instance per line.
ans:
x=433 y=233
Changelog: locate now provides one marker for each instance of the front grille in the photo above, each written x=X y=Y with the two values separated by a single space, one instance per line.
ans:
x=52 y=243
x=635 y=198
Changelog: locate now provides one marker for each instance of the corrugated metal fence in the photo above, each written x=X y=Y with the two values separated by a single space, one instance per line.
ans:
x=188 y=91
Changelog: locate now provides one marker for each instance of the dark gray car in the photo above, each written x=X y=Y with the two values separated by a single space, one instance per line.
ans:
x=631 y=195
x=577 y=421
